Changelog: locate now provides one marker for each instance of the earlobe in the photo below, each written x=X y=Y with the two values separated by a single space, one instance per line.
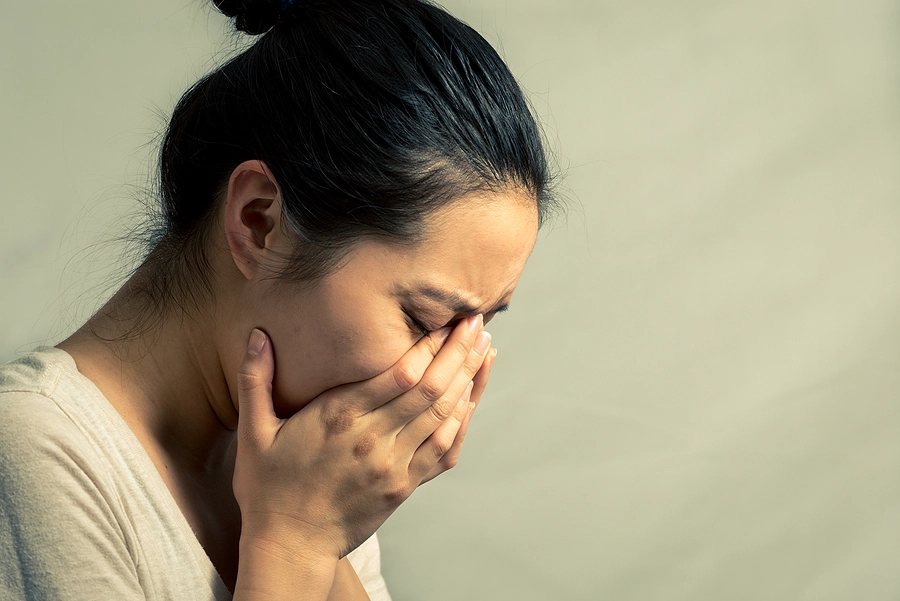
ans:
x=252 y=218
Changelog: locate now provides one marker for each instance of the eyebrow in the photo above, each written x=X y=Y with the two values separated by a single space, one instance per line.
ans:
x=457 y=302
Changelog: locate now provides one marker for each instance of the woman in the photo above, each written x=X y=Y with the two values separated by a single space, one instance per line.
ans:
x=345 y=205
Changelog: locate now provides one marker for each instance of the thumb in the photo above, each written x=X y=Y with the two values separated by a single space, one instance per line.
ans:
x=256 y=416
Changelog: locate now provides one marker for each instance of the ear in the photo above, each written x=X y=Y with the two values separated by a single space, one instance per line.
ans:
x=253 y=219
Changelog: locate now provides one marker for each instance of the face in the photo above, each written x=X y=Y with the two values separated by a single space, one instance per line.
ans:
x=360 y=320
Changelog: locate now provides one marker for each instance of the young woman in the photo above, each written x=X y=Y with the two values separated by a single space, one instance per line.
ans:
x=345 y=205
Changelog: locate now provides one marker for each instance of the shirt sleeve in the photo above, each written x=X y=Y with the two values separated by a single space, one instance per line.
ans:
x=60 y=539
x=366 y=560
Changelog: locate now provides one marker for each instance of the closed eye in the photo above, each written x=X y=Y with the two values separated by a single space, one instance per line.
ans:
x=416 y=324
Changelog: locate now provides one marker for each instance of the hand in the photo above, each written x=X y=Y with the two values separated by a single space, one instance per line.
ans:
x=316 y=485
x=474 y=392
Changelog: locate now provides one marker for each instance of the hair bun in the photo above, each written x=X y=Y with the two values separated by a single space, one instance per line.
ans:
x=253 y=16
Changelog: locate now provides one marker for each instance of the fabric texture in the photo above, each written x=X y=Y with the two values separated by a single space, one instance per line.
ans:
x=84 y=515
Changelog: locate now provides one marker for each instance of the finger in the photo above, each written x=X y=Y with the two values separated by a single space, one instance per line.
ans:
x=440 y=443
x=483 y=375
x=440 y=387
x=451 y=457
x=432 y=415
x=256 y=416
x=460 y=414
x=401 y=377
x=473 y=393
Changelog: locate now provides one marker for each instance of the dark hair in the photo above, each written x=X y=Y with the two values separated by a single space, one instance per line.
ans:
x=371 y=114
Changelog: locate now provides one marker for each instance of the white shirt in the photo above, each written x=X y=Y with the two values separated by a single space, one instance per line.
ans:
x=84 y=514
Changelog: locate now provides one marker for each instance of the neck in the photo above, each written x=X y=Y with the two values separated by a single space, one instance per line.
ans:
x=167 y=382
x=167 y=379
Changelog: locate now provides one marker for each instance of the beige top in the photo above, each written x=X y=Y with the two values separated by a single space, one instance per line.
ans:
x=84 y=515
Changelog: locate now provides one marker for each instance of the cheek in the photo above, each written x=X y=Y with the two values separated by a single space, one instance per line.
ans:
x=315 y=361
x=355 y=357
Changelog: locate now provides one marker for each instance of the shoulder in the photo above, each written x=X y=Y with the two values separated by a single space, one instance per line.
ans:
x=56 y=443
x=60 y=519
x=38 y=419
x=47 y=460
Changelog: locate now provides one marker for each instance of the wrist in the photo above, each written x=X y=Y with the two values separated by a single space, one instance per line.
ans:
x=277 y=565
x=287 y=543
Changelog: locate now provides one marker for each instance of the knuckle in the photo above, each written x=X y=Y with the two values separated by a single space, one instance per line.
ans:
x=443 y=408
x=431 y=389
x=337 y=420
x=365 y=445
x=450 y=463
x=380 y=471
x=443 y=442
x=441 y=448
x=247 y=381
x=406 y=376
x=397 y=493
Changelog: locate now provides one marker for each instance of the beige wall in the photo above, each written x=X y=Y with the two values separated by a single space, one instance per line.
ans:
x=698 y=393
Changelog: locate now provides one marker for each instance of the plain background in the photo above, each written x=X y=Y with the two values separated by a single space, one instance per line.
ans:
x=697 y=395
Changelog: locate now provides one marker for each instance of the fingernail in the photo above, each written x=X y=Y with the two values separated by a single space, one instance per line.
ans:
x=257 y=342
x=482 y=343
x=476 y=323
x=491 y=357
x=441 y=335
x=468 y=393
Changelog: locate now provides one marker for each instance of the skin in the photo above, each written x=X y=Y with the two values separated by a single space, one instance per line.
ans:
x=345 y=382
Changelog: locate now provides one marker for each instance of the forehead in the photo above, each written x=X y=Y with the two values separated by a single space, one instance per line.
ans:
x=479 y=246
x=475 y=249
